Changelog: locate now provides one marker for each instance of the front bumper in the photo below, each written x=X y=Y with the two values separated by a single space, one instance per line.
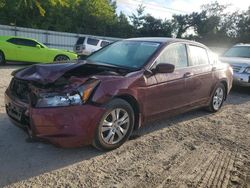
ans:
x=242 y=79
x=72 y=126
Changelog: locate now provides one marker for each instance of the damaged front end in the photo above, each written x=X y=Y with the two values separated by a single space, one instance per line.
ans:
x=56 y=111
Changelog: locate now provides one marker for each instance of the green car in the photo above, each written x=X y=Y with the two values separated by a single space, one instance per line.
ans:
x=19 y=49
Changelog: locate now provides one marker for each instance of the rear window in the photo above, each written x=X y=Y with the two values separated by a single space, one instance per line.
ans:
x=104 y=43
x=198 y=56
x=80 y=40
x=93 y=42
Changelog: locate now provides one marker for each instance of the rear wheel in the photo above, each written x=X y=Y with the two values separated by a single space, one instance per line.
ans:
x=115 y=126
x=2 y=58
x=61 y=58
x=218 y=98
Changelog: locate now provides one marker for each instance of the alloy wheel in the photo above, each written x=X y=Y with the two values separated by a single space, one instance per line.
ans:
x=62 y=58
x=115 y=126
x=218 y=98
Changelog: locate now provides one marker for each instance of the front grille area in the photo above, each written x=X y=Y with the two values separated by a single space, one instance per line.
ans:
x=236 y=68
x=20 y=89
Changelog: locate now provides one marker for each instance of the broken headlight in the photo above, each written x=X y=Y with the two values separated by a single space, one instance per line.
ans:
x=78 y=97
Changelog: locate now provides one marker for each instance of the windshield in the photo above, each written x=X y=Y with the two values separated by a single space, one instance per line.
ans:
x=131 y=54
x=238 y=51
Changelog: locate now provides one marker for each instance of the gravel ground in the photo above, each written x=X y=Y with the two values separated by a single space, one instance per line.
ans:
x=195 y=149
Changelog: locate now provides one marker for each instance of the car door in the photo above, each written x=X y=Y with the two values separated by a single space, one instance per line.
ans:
x=168 y=93
x=29 y=51
x=200 y=80
x=11 y=50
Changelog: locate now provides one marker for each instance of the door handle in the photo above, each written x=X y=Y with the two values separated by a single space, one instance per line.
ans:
x=188 y=74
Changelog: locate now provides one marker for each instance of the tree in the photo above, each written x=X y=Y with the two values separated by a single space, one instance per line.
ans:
x=153 y=27
x=2 y=3
x=137 y=19
x=215 y=24
x=181 y=23
x=122 y=28
x=243 y=26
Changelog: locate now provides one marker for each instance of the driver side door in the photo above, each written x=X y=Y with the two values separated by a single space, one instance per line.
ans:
x=168 y=93
x=29 y=51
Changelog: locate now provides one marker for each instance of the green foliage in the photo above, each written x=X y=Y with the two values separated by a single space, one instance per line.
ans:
x=98 y=17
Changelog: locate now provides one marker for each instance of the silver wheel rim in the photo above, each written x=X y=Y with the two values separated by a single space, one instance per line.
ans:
x=61 y=58
x=218 y=98
x=115 y=126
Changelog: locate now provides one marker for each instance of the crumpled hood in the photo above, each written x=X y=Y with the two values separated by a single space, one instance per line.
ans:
x=45 y=74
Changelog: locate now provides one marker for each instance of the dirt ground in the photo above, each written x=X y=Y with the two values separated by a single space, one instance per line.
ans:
x=195 y=149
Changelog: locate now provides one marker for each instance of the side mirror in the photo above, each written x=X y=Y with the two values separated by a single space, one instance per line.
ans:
x=38 y=46
x=164 y=68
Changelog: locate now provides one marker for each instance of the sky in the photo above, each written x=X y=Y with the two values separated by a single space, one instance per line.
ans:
x=166 y=8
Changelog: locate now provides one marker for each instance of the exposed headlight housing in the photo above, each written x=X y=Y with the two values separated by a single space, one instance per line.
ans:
x=77 y=97
x=247 y=70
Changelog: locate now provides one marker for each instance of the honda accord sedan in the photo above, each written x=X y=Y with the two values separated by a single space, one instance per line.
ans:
x=116 y=90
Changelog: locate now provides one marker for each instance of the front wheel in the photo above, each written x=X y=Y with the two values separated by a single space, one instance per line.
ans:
x=61 y=58
x=218 y=98
x=115 y=126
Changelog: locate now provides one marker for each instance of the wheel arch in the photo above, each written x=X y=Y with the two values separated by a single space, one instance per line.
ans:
x=135 y=105
x=224 y=82
x=61 y=55
x=2 y=52
x=4 y=57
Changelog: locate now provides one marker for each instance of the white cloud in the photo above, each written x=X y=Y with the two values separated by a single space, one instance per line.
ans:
x=165 y=8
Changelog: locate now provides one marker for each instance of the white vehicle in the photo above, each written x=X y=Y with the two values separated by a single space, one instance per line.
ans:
x=88 y=45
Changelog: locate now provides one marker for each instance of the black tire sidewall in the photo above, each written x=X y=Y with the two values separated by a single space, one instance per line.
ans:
x=3 y=58
x=66 y=57
x=211 y=106
x=116 y=103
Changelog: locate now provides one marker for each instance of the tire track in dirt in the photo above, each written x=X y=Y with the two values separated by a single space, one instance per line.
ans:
x=218 y=173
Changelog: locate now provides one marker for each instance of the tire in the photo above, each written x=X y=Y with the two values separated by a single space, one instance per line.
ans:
x=113 y=130
x=2 y=58
x=61 y=58
x=218 y=98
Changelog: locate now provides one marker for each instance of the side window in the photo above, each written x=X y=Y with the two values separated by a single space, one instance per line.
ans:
x=93 y=42
x=104 y=43
x=213 y=58
x=198 y=56
x=175 y=54
x=23 y=42
x=13 y=41
x=80 y=40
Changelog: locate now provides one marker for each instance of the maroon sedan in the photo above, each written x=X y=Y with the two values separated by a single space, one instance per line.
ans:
x=117 y=89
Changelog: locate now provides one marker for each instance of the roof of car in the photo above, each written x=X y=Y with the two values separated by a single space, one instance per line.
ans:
x=164 y=40
x=8 y=37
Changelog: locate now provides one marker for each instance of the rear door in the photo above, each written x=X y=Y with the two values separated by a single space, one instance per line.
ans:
x=199 y=80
